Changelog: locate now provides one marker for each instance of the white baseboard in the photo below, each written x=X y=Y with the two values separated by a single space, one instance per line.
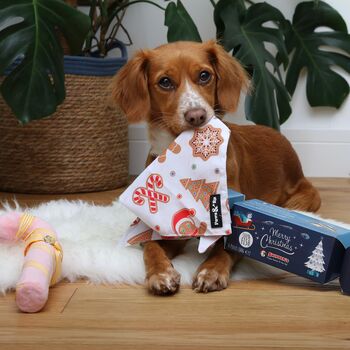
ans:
x=323 y=153
x=138 y=148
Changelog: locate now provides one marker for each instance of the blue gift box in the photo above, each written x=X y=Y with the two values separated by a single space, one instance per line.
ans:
x=291 y=241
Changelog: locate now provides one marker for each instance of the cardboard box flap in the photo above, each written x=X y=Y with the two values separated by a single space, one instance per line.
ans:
x=234 y=197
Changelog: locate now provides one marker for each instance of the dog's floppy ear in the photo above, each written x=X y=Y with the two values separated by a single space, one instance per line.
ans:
x=130 y=88
x=231 y=77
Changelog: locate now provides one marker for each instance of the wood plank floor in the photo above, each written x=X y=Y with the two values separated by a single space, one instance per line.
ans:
x=289 y=313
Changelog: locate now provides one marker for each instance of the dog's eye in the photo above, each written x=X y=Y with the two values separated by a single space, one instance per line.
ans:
x=166 y=83
x=204 y=77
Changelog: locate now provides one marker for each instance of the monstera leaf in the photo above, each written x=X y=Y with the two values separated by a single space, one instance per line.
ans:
x=35 y=87
x=324 y=86
x=245 y=32
x=180 y=24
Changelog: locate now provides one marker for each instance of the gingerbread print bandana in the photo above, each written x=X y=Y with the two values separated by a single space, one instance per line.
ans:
x=183 y=193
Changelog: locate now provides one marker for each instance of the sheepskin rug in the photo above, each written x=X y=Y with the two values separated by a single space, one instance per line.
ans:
x=89 y=236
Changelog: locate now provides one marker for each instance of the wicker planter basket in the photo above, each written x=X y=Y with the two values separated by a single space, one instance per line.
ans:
x=83 y=147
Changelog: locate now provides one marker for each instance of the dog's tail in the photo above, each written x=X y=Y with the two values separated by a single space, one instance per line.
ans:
x=305 y=197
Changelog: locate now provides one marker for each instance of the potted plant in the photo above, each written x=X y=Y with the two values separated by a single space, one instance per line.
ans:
x=83 y=145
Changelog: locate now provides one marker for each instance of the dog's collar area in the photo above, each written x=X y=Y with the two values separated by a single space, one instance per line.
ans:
x=160 y=139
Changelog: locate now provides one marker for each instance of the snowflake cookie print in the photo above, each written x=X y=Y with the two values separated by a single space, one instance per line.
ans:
x=206 y=142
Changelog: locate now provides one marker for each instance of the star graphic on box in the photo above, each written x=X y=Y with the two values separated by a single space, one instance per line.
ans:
x=206 y=142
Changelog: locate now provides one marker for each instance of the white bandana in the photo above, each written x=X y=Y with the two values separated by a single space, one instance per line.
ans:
x=173 y=197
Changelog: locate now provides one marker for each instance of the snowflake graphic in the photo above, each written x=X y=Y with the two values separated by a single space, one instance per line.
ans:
x=206 y=142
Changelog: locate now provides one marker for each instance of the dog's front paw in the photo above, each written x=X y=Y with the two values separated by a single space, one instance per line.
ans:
x=210 y=280
x=164 y=283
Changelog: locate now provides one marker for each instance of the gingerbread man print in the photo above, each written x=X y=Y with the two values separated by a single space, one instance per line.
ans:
x=184 y=225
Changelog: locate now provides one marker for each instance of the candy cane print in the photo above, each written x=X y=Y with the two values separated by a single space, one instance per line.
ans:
x=173 y=147
x=137 y=196
x=153 y=181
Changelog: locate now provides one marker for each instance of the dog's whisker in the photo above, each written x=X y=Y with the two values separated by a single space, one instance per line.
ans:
x=159 y=123
x=162 y=114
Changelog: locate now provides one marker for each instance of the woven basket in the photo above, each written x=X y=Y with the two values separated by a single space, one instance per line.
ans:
x=83 y=147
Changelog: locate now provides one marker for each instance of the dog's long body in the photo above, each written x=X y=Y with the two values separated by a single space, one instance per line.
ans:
x=180 y=86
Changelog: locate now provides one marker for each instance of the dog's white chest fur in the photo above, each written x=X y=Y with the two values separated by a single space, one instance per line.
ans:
x=160 y=139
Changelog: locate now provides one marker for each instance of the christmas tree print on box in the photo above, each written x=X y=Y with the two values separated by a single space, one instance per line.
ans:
x=200 y=190
x=316 y=261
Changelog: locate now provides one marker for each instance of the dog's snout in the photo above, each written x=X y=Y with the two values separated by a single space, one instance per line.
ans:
x=196 y=116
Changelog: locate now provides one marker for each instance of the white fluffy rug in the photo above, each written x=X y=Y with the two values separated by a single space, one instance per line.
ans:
x=89 y=236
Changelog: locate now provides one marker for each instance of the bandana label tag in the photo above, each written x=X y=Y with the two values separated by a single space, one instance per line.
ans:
x=215 y=211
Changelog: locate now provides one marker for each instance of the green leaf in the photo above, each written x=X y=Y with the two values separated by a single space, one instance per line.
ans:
x=324 y=86
x=245 y=32
x=180 y=24
x=36 y=86
x=227 y=14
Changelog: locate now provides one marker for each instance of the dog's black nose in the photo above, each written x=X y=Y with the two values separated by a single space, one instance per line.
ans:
x=196 y=116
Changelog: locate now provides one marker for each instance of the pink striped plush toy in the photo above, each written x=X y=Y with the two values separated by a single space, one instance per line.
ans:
x=43 y=258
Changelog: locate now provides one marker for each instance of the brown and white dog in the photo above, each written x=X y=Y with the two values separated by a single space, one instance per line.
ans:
x=179 y=86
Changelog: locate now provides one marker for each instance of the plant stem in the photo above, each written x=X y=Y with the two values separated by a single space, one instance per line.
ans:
x=103 y=28
x=137 y=1
x=117 y=25
x=213 y=3
x=127 y=34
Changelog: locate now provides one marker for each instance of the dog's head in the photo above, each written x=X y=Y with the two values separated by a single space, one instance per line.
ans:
x=179 y=86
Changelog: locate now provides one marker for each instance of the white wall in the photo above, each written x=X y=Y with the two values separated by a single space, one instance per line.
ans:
x=321 y=136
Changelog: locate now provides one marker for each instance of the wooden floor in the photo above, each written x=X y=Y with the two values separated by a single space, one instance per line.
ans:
x=289 y=313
